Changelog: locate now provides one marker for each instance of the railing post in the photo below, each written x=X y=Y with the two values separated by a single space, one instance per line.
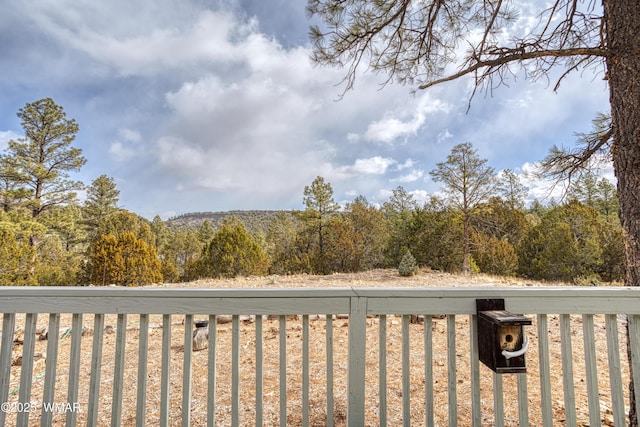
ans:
x=357 y=353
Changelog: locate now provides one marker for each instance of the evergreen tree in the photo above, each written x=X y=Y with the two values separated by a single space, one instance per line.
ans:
x=232 y=252
x=102 y=200
x=184 y=249
x=57 y=265
x=495 y=256
x=66 y=222
x=468 y=181
x=585 y=189
x=368 y=233
x=122 y=221
x=42 y=160
x=399 y=214
x=438 y=233
x=15 y=258
x=35 y=169
x=206 y=232
x=106 y=260
x=537 y=209
x=162 y=235
x=567 y=243
x=123 y=251
x=124 y=260
x=12 y=195
x=596 y=193
x=607 y=202
x=511 y=189
x=141 y=263
x=284 y=246
x=612 y=266
x=319 y=209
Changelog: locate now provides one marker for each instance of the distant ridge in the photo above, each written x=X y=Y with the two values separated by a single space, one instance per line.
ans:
x=253 y=220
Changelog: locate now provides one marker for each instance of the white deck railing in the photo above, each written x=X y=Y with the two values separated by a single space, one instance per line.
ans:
x=358 y=370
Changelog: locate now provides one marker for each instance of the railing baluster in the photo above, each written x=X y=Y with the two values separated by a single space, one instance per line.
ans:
x=523 y=400
x=186 y=369
x=545 y=370
x=143 y=351
x=615 y=370
x=590 y=365
x=428 y=370
x=451 y=370
x=6 y=352
x=283 y=370
x=211 y=371
x=26 y=372
x=235 y=370
x=74 y=366
x=634 y=344
x=118 y=372
x=96 y=366
x=382 y=363
x=329 y=345
x=498 y=400
x=165 y=385
x=305 y=370
x=259 y=372
x=475 y=371
x=48 y=394
x=356 y=365
x=406 y=372
x=567 y=370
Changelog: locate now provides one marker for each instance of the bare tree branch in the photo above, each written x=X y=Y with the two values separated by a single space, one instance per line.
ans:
x=504 y=59
x=563 y=164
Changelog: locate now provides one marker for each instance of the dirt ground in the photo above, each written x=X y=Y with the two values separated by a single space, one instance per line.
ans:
x=318 y=363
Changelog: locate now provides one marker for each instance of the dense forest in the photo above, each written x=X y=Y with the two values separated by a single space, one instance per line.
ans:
x=49 y=237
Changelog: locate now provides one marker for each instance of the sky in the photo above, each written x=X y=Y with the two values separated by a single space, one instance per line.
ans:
x=203 y=105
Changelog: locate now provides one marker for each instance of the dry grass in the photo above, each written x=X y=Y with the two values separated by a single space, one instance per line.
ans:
x=318 y=364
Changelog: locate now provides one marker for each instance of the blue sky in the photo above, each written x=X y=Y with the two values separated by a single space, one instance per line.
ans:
x=198 y=105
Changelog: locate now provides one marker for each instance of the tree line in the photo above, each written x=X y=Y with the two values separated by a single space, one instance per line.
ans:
x=48 y=237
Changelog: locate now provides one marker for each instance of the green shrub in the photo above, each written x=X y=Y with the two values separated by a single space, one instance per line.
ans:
x=408 y=265
x=232 y=252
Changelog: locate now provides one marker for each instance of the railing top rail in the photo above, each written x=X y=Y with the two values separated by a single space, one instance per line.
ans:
x=434 y=300
x=335 y=292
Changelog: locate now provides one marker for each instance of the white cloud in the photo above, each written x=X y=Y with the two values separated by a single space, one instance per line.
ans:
x=121 y=152
x=390 y=128
x=412 y=176
x=143 y=41
x=444 y=136
x=539 y=189
x=409 y=163
x=405 y=120
x=128 y=147
x=175 y=154
x=372 y=166
x=420 y=196
x=353 y=137
x=382 y=196
x=130 y=135
x=6 y=136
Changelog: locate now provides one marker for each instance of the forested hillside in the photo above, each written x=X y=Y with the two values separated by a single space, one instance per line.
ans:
x=255 y=221
x=49 y=237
